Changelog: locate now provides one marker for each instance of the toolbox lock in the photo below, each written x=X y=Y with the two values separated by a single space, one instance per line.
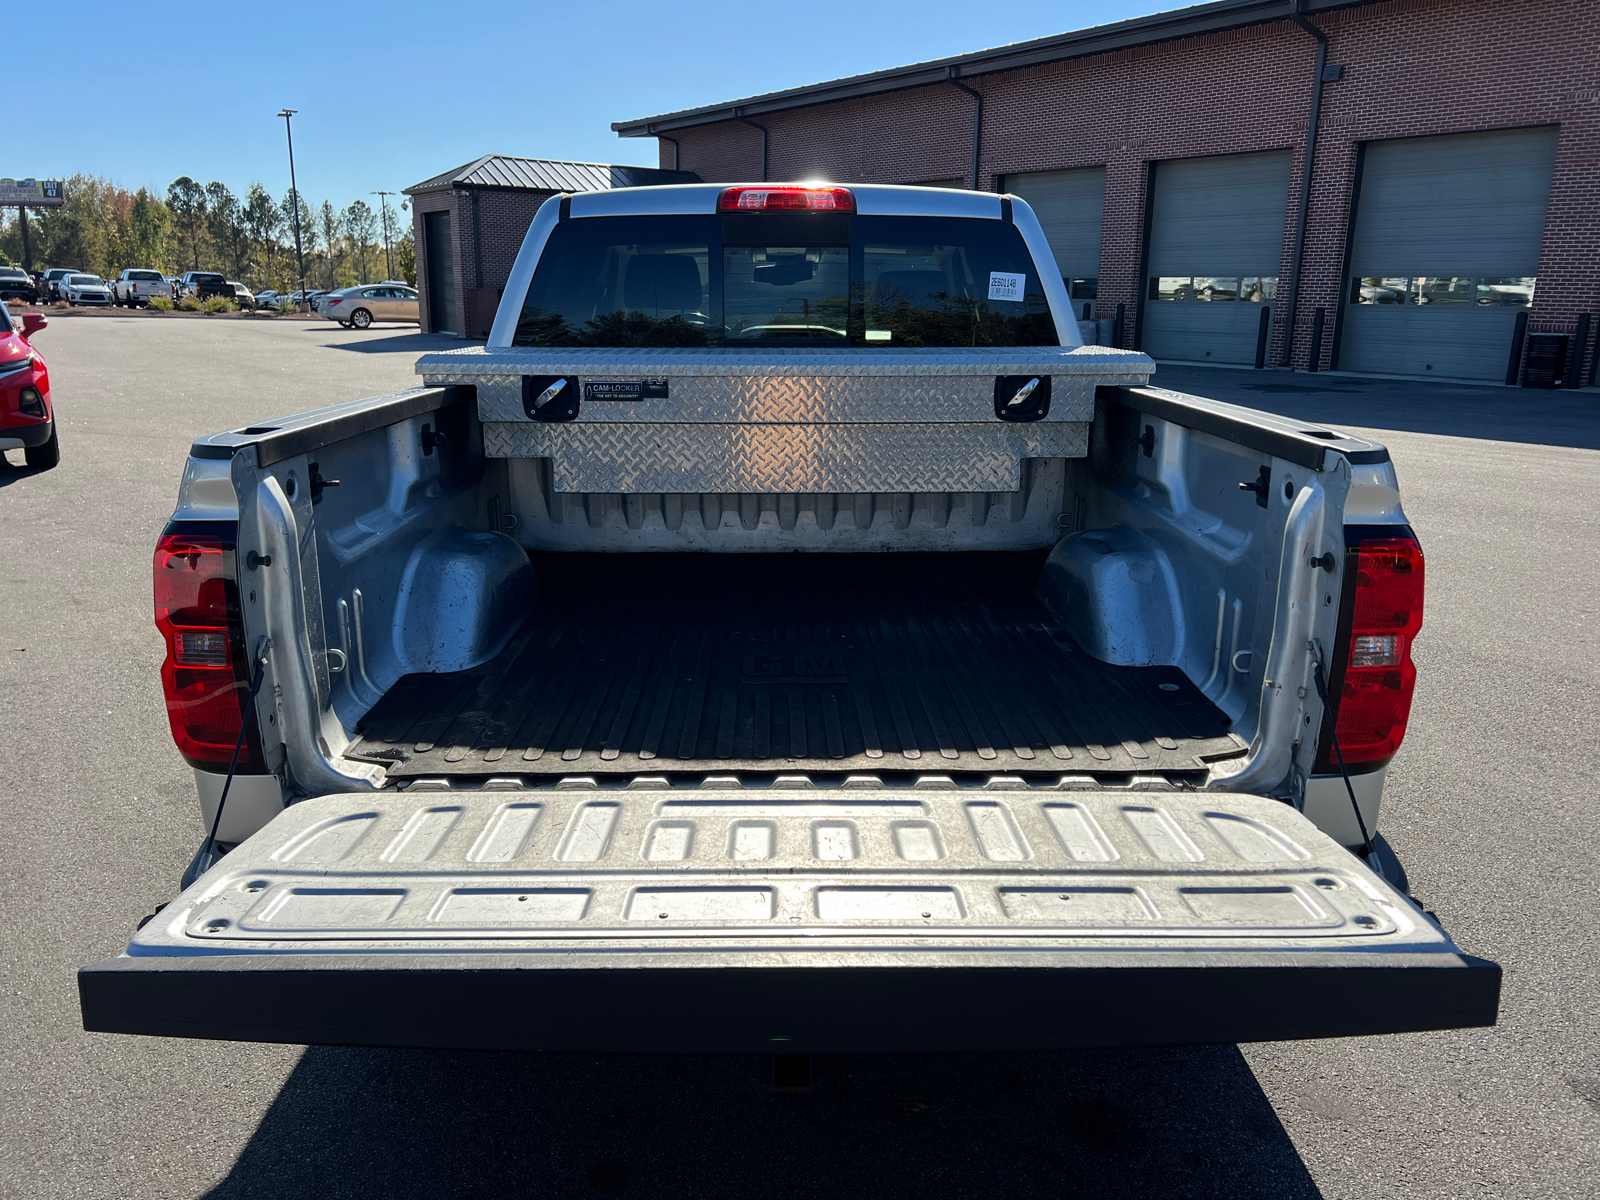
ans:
x=550 y=397
x=1022 y=397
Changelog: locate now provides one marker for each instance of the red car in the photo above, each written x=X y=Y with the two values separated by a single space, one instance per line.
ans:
x=27 y=420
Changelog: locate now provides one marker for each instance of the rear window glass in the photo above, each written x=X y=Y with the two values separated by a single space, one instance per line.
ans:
x=201 y=277
x=145 y=276
x=813 y=280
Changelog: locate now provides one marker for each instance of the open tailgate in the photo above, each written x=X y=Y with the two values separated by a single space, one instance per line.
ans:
x=790 y=919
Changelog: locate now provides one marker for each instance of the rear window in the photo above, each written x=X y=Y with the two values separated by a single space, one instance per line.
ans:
x=145 y=276
x=785 y=279
x=201 y=277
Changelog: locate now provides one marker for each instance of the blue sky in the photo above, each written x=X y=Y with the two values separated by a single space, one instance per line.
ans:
x=391 y=93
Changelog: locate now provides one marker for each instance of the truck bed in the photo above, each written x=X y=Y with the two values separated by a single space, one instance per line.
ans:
x=652 y=664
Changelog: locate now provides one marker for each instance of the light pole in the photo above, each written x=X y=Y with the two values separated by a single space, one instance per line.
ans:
x=294 y=199
x=383 y=206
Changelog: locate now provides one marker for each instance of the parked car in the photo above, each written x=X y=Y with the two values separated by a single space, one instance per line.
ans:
x=27 y=417
x=137 y=286
x=85 y=289
x=242 y=294
x=359 y=307
x=267 y=298
x=203 y=285
x=17 y=284
x=535 y=717
x=53 y=278
x=307 y=297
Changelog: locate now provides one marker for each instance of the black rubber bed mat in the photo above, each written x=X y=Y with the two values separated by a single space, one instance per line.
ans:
x=635 y=664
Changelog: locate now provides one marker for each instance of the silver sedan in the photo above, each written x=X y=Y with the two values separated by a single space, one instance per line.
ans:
x=361 y=306
x=84 y=289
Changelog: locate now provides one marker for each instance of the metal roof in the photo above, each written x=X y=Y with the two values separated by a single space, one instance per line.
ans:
x=1101 y=39
x=507 y=173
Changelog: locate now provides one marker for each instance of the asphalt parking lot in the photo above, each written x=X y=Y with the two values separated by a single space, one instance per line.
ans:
x=1488 y=805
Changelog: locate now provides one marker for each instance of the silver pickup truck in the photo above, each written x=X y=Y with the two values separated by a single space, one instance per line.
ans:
x=784 y=635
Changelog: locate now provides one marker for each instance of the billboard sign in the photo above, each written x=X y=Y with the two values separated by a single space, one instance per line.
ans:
x=35 y=193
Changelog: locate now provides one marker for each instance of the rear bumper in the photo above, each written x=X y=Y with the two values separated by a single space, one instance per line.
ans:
x=584 y=1004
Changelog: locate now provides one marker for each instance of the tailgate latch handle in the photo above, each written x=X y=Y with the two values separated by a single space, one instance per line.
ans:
x=1261 y=486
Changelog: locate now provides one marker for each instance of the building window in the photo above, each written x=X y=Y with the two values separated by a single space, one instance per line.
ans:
x=1506 y=291
x=1254 y=289
x=1442 y=289
x=1379 y=289
x=1216 y=287
x=1084 y=288
x=1485 y=291
x=1259 y=289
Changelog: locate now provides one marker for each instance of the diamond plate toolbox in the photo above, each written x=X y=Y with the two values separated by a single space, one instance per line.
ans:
x=785 y=421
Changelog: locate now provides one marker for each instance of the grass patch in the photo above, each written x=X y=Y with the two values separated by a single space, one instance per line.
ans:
x=218 y=304
x=160 y=304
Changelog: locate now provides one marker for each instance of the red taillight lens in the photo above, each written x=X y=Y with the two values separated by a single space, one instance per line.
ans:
x=786 y=199
x=1375 y=696
x=204 y=691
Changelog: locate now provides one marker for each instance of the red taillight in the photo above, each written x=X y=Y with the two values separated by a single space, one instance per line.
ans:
x=1375 y=694
x=204 y=690
x=786 y=199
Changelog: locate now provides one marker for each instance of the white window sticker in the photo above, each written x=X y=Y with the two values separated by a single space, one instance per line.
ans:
x=1005 y=287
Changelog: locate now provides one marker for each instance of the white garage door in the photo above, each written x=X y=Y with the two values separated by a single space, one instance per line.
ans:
x=1446 y=252
x=1068 y=205
x=1216 y=239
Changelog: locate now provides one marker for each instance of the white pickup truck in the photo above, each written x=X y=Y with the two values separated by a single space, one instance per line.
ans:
x=785 y=636
x=136 y=287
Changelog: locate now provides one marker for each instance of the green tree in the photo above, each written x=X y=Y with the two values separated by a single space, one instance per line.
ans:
x=150 y=227
x=330 y=240
x=225 y=224
x=307 y=230
x=10 y=241
x=360 y=226
x=405 y=258
x=186 y=199
x=263 y=221
x=60 y=238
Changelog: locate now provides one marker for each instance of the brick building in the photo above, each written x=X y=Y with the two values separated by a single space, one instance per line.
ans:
x=469 y=224
x=1454 y=197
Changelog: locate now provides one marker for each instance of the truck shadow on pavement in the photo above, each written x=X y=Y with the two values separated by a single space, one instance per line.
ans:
x=386 y=341
x=1188 y=1121
x=1501 y=414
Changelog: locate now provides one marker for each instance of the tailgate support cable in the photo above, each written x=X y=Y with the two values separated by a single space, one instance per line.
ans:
x=1338 y=754
x=203 y=863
